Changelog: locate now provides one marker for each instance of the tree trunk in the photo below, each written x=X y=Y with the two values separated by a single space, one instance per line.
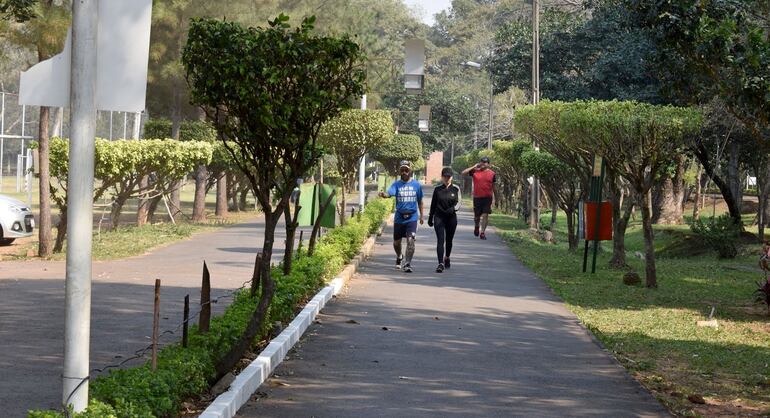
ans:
x=117 y=209
x=554 y=212
x=669 y=196
x=619 y=224
x=291 y=230
x=44 y=248
x=175 y=202
x=143 y=206
x=618 y=259
x=221 y=210
x=199 y=202
x=698 y=190
x=732 y=201
x=524 y=198
x=763 y=195
x=61 y=231
x=152 y=207
x=343 y=204
x=766 y=215
x=649 y=245
x=267 y=288
x=734 y=174
x=232 y=190
x=244 y=195
x=571 y=235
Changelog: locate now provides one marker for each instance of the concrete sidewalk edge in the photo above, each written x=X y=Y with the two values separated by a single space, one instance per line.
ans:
x=249 y=380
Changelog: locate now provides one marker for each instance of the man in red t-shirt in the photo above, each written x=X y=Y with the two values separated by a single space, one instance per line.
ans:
x=484 y=180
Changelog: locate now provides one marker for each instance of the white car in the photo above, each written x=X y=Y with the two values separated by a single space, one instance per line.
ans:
x=16 y=220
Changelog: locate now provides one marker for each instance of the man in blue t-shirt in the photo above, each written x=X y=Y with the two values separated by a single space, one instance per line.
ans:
x=408 y=195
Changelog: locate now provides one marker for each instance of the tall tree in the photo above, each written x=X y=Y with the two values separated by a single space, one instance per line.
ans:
x=636 y=140
x=714 y=52
x=714 y=48
x=17 y=10
x=269 y=90
x=583 y=56
x=350 y=136
x=44 y=34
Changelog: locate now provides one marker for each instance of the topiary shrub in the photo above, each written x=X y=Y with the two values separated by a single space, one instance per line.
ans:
x=157 y=128
x=399 y=147
x=189 y=130
x=720 y=233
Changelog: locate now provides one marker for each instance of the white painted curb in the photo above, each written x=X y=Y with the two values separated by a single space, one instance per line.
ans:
x=248 y=381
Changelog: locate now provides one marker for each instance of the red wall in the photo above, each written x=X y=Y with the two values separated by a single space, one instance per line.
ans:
x=433 y=166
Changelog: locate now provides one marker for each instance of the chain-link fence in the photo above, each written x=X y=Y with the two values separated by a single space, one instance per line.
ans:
x=19 y=125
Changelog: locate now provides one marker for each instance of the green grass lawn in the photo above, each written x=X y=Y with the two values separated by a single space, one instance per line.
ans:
x=129 y=240
x=654 y=332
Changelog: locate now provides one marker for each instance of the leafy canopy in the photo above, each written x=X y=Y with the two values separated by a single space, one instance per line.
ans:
x=400 y=147
x=354 y=133
x=269 y=90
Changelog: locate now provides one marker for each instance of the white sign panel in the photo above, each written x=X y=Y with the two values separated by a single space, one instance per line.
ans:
x=415 y=57
x=123 y=47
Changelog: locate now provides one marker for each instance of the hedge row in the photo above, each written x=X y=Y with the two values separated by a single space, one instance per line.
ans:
x=183 y=373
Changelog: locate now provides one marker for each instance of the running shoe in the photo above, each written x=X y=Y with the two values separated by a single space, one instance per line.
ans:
x=407 y=268
x=476 y=230
x=483 y=236
x=440 y=268
x=446 y=262
x=398 y=263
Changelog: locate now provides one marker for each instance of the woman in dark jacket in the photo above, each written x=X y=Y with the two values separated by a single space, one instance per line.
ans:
x=443 y=216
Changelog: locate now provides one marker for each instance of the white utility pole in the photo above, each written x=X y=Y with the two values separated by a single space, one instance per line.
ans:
x=491 y=109
x=362 y=171
x=77 y=314
x=137 y=125
x=535 y=201
x=2 y=136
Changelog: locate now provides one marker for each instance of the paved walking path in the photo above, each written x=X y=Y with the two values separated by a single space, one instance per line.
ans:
x=32 y=308
x=486 y=338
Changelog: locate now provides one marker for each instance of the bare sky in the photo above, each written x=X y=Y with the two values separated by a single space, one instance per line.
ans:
x=429 y=7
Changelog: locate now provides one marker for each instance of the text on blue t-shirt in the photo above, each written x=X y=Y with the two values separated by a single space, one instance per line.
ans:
x=407 y=195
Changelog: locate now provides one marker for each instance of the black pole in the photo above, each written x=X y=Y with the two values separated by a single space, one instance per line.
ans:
x=598 y=216
x=186 y=322
x=591 y=194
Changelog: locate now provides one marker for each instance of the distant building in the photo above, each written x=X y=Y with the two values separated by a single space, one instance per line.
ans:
x=433 y=165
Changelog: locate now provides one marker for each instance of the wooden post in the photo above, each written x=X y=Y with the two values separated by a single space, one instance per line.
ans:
x=186 y=323
x=256 y=276
x=155 y=326
x=299 y=246
x=352 y=213
x=205 y=317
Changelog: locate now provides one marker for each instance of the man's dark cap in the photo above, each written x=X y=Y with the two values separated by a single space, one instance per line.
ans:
x=484 y=159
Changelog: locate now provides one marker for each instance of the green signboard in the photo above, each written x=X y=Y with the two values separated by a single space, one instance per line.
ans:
x=310 y=198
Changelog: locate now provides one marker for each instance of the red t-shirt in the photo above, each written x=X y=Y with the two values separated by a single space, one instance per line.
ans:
x=483 y=181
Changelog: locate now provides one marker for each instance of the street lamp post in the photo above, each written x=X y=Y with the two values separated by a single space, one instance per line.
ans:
x=535 y=195
x=490 y=123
